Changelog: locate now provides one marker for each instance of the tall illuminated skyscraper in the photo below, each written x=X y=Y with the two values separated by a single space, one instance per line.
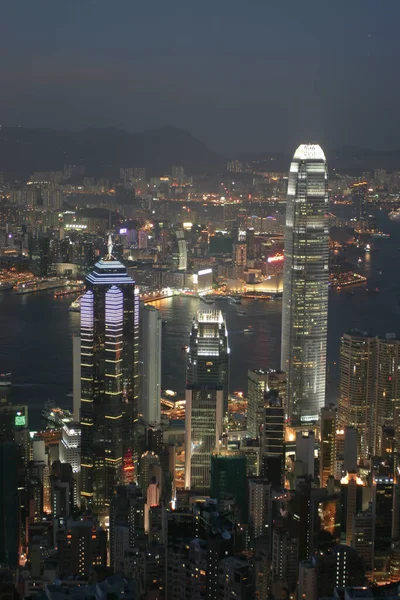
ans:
x=305 y=284
x=207 y=374
x=109 y=380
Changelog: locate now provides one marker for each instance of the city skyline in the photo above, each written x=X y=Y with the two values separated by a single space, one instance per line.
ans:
x=191 y=465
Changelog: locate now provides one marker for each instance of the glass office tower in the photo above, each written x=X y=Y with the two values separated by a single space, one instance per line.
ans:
x=109 y=380
x=305 y=284
x=207 y=372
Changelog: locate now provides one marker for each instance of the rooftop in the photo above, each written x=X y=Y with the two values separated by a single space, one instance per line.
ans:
x=309 y=151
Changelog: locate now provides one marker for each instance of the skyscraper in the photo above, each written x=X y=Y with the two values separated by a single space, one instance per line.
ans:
x=9 y=538
x=206 y=395
x=272 y=438
x=151 y=360
x=228 y=478
x=109 y=376
x=305 y=287
x=327 y=458
x=260 y=381
x=369 y=388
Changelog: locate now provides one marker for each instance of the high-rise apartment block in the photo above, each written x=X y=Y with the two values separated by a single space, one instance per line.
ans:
x=369 y=388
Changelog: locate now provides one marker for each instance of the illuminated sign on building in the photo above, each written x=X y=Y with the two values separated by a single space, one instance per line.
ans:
x=20 y=420
x=276 y=258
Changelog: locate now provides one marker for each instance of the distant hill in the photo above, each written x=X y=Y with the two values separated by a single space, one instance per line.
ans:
x=103 y=151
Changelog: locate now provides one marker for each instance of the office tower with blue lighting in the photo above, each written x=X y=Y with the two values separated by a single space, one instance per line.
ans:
x=109 y=380
x=305 y=284
x=207 y=372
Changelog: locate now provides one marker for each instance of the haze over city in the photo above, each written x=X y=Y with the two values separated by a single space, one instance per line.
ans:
x=242 y=76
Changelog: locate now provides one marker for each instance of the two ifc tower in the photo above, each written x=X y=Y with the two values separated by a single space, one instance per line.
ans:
x=305 y=285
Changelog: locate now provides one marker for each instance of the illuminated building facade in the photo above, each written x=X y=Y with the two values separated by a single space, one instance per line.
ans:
x=369 y=388
x=305 y=284
x=207 y=373
x=109 y=380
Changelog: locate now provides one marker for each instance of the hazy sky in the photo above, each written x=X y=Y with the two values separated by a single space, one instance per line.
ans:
x=242 y=75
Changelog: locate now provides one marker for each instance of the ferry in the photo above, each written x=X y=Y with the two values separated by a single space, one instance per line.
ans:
x=40 y=285
x=75 y=306
x=248 y=330
x=69 y=290
x=380 y=234
x=56 y=417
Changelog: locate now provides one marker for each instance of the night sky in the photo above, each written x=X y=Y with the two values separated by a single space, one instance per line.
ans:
x=242 y=75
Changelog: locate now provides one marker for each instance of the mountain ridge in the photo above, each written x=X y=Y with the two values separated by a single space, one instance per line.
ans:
x=103 y=151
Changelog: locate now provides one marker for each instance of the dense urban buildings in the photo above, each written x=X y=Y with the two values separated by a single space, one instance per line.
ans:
x=187 y=466
x=305 y=288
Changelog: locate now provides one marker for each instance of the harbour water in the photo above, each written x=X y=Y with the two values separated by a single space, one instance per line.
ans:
x=36 y=329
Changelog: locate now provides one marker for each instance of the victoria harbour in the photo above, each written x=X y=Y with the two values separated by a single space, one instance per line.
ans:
x=36 y=330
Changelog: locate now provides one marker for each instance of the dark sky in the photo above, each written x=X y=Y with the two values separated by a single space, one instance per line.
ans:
x=243 y=75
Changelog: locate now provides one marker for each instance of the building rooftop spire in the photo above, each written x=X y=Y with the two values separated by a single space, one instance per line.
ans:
x=109 y=247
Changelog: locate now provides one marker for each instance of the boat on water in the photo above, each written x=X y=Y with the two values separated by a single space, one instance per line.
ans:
x=75 y=306
x=233 y=300
x=380 y=234
x=56 y=417
x=207 y=300
x=241 y=313
x=40 y=285
x=248 y=330
x=372 y=292
x=359 y=260
x=5 y=285
x=5 y=380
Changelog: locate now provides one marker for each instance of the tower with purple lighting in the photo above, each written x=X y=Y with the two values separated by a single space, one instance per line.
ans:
x=109 y=380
